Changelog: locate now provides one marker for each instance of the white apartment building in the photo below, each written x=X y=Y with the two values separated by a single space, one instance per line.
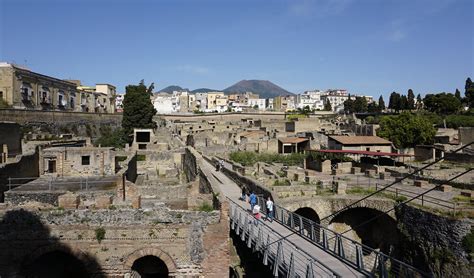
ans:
x=260 y=103
x=336 y=98
x=269 y=103
x=311 y=99
x=163 y=104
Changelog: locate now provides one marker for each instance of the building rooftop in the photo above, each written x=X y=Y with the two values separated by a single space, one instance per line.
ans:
x=292 y=140
x=360 y=140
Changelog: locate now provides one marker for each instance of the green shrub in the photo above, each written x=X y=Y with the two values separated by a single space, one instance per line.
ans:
x=468 y=243
x=111 y=138
x=205 y=207
x=284 y=182
x=250 y=158
x=100 y=234
x=141 y=157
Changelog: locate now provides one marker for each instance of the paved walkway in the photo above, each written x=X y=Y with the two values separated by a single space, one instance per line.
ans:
x=233 y=192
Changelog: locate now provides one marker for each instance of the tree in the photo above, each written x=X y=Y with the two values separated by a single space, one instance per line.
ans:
x=457 y=94
x=443 y=103
x=395 y=101
x=138 y=111
x=407 y=130
x=403 y=103
x=419 y=102
x=410 y=99
x=469 y=92
x=360 y=105
x=327 y=106
x=381 y=103
x=373 y=107
x=349 y=106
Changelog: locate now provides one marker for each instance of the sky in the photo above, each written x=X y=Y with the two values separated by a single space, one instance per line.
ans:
x=370 y=47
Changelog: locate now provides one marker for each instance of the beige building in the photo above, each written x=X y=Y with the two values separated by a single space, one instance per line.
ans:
x=77 y=161
x=211 y=99
x=99 y=98
x=25 y=89
x=359 y=143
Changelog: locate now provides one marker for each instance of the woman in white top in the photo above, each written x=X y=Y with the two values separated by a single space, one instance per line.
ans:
x=270 y=209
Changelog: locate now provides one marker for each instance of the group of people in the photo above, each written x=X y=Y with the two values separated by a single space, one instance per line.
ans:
x=219 y=165
x=255 y=208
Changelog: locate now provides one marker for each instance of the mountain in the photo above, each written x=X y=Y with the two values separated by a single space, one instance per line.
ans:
x=171 y=88
x=264 y=88
x=204 y=90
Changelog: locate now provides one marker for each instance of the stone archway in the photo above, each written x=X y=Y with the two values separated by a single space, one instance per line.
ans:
x=381 y=233
x=312 y=215
x=150 y=267
x=146 y=256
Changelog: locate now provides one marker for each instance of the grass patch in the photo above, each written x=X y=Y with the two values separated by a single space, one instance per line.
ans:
x=141 y=157
x=250 y=158
x=206 y=207
x=284 y=182
x=295 y=116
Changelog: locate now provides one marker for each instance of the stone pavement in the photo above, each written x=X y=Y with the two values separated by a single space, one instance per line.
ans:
x=232 y=191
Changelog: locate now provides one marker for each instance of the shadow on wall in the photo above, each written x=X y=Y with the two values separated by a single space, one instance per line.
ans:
x=29 y=250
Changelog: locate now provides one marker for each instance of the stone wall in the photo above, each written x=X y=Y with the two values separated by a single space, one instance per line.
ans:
x=26 y=116
x=10 y=135
x=459 y=157
x=190 y=164
x=181 y=239
x=248 y=183
x=25 y=166
x=433 y=242
x=466 y=135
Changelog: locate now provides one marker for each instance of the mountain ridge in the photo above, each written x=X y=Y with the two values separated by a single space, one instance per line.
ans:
x=264 y=88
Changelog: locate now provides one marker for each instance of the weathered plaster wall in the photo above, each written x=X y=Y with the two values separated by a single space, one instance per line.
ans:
x=434 y=243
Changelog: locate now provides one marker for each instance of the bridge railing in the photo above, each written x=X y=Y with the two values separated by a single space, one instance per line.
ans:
x=362 y=257
x=277 y=252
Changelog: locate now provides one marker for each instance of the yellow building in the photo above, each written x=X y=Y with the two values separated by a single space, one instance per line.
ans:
x=22 y=88
x=25 y=89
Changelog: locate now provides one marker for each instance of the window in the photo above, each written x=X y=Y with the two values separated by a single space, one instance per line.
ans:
x=86 y=160
x=1 y=95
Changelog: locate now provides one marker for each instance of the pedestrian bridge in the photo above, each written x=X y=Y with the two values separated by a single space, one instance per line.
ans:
x=295 y=246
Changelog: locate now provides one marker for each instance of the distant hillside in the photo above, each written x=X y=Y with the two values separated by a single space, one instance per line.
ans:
x=204 y=90
x=171 y=88
x=264 y=88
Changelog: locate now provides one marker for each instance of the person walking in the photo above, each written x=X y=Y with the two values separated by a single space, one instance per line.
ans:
x=252 y=200
x=243 y=197
x=270 y=209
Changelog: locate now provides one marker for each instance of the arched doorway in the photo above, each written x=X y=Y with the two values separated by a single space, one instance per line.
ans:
x=150 y=267
x=56 y=264
x=381 y=233
x=311 y=214
x=308 y=213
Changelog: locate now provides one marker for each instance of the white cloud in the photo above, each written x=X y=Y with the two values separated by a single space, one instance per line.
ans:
x=396 y=30
x=318 y=8
x=194 y=69
x=396 y=35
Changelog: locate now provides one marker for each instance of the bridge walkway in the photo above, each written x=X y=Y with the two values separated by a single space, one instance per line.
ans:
x=232 y=191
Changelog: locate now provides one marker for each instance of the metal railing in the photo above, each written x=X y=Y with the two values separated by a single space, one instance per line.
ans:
x=284 y=258
x=364 y=258
x=375 y=183
x=57 y=183
x=454 y=206
x=15 y=182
